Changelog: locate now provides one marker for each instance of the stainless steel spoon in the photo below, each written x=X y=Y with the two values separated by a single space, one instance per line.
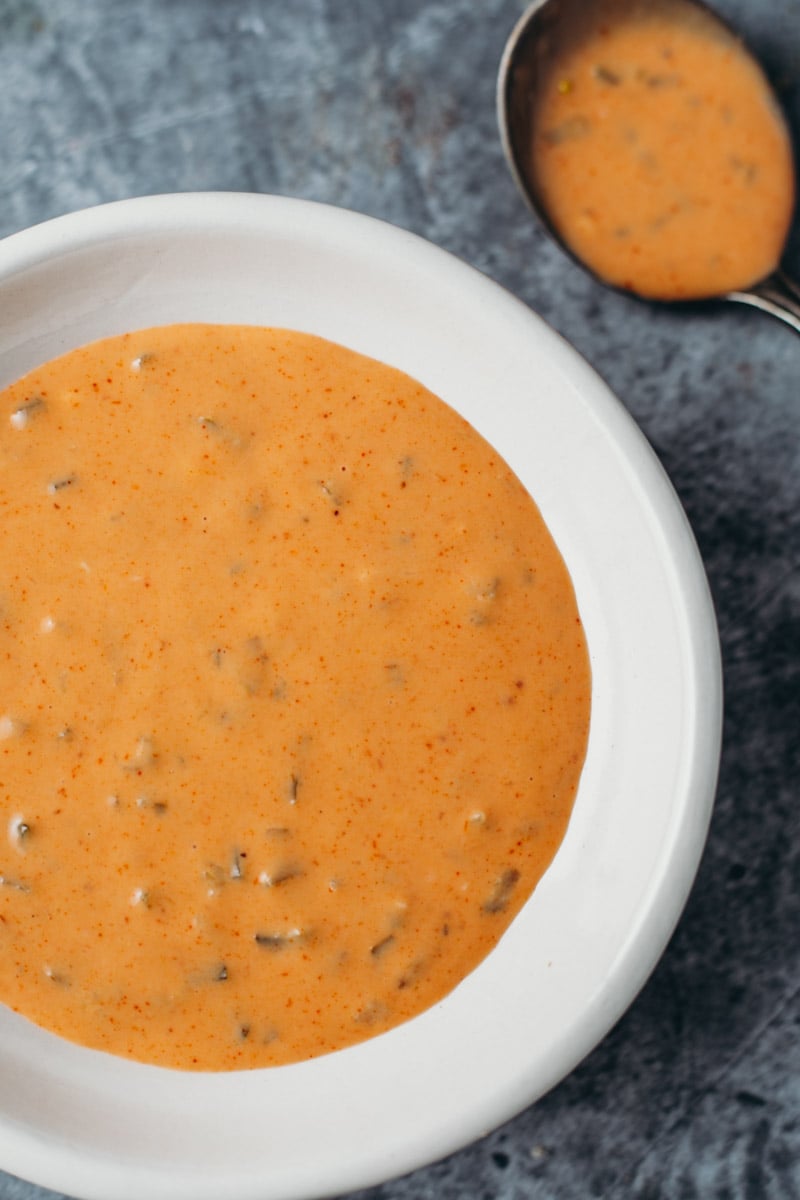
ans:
x=777 y=294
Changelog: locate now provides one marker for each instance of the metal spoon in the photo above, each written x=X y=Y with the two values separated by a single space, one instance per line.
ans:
x=776 y=294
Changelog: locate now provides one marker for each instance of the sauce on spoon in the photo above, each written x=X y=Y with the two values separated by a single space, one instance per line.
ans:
x=657 y=151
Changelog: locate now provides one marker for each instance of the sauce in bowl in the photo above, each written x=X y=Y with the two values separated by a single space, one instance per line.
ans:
x=295 y=697
x=658 y=153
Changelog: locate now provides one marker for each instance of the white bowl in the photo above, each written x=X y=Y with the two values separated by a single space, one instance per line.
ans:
x=92 y=1125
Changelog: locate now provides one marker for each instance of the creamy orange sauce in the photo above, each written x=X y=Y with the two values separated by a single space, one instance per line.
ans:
x=659 y=154
x=294 y=693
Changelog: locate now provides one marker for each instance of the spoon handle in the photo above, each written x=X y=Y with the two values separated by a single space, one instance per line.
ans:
x=777 y=294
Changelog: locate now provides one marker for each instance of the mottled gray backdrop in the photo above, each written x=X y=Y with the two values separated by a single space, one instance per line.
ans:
x=387 y=107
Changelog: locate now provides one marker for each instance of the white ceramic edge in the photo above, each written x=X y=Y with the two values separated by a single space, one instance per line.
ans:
x=21 y=1153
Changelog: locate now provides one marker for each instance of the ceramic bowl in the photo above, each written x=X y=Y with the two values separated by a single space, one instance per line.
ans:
x=94 y=1126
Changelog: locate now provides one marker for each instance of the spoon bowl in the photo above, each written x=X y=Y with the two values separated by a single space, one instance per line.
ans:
x=532 y=86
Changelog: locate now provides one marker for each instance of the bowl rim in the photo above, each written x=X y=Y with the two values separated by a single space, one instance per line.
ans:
x=65 y=1165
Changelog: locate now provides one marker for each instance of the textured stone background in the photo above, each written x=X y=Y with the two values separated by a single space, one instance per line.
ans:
x=386 y=106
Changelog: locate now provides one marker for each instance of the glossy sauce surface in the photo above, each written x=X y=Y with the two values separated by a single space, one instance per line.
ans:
x=295 y=697
x=658 y=152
